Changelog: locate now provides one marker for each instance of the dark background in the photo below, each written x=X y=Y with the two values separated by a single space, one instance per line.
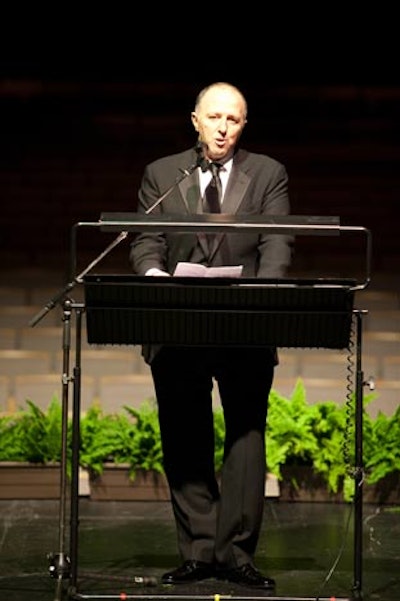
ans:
x=84 y=107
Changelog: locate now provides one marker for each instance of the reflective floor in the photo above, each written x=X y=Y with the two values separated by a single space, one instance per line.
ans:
x=308 y=548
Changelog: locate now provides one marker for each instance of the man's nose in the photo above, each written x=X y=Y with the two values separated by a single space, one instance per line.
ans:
x=223 y=124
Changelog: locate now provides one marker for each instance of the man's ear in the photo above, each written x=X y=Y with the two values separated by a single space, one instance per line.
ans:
x=195 y=121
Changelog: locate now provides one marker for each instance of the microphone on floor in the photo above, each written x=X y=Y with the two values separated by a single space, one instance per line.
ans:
x=145 y=580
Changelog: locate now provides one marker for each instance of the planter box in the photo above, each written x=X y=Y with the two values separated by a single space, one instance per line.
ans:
x=386 y=491
x=114 y=484
x=301 y=483
x=19 y=480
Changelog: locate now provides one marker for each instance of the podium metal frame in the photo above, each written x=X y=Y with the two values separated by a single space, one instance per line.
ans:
x=64 y=567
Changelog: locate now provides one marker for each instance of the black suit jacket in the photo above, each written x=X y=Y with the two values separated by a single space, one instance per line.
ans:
x=258 y=185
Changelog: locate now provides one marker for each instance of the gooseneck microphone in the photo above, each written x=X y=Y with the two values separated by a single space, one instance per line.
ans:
x=201 y=159
x=201 y=162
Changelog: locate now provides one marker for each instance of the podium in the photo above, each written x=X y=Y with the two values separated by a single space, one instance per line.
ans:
x=218 y=311
x=287 y=312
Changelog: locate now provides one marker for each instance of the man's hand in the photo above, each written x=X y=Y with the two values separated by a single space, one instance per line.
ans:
x=156 y=271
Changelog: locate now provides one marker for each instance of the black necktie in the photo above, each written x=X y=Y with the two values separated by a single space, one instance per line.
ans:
x=212 y=199
x=213 y=192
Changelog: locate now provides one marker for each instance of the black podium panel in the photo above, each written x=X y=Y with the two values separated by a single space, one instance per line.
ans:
x=218 y=311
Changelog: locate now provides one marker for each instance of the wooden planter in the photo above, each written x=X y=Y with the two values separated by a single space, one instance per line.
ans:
x=114 y=484
x=386 y=491
x=19 y=480
x=300 y=483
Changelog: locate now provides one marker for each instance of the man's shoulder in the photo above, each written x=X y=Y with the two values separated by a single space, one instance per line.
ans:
x=246 y=158
x=170 y=160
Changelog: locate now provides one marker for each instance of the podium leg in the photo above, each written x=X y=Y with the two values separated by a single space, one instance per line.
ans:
x=59 y=563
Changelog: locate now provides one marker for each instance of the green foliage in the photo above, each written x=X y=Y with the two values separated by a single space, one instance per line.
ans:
x=32 y=435
x=289 y=436
x=104 y=438
x=132 y=438
x=146 y=448
x=219 y=436
x=319 y=435
x=381 y=446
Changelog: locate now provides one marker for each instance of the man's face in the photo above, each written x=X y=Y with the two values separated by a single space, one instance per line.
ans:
x=219 y=121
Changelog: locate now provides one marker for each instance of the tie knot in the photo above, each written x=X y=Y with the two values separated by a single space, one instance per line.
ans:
x=215 y=167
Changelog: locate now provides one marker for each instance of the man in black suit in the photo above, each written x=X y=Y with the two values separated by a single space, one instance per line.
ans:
x=218 y=523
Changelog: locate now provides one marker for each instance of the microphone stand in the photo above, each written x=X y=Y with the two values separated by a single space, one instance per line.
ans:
x=62 y=567
x=185 y=174
x=77 y=280
x=59 y=563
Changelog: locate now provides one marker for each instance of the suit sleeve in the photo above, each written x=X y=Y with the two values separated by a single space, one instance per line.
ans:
x=275 y=250
x=148 y=249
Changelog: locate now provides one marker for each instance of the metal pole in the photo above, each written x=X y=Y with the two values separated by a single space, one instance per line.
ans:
x=59 y=567
x=359 y=473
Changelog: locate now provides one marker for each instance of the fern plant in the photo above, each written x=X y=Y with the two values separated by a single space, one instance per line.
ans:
x=131 y=438
x=146 y=449
x=104 y=438
x=219 y=437
x=289 y=435
x=319 y=435
x=32 y=435
x=381 y=445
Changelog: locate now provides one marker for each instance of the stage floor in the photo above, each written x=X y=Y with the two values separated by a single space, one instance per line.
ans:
x=308 y=548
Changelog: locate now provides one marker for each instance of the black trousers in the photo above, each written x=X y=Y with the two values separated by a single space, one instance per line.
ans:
x=218 y=517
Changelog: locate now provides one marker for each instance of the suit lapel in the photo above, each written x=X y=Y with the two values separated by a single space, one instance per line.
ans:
x=237 y=185
x=190 y=191
x=234 y=194
x=235 y=191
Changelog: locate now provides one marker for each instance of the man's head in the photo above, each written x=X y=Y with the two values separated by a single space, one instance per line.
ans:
x=219 y=117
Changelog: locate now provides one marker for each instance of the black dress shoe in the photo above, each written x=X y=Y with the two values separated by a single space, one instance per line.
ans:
x=190 y=571
x=247 y=575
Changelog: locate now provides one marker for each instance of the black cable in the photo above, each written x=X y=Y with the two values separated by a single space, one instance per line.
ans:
x=350 y=408
x=338 y=557
x=348 y=428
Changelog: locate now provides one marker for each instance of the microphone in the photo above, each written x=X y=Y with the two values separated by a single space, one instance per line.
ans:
x=145 y=580
x=201 y=159
x=201 y=162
